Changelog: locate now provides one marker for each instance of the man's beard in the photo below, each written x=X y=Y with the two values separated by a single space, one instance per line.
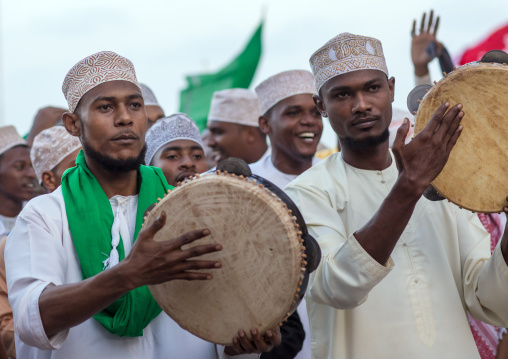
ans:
x=111 y=164
x=365 y=143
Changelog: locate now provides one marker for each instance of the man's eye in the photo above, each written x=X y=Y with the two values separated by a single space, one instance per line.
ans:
x=104 y=107
x=198 y=157
x=136 y=104
x=292 y=113
x=171 y=157
x=343 y=94
x=374 y=87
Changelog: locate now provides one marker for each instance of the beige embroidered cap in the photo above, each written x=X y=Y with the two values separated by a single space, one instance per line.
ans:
x=94 y=70
x=283 y=85
x=346 y=53
x=9 y=138
x=50 y=147
x=235 y=106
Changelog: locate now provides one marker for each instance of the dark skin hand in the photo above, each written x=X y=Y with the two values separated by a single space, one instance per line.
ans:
x=149 y=262
x=420 y=41
x=259 y=343
x=418 y=162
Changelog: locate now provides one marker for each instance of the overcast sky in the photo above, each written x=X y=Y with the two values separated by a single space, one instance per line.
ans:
x=166 y=40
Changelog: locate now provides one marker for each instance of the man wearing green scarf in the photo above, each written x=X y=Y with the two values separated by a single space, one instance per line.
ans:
x=77 y=260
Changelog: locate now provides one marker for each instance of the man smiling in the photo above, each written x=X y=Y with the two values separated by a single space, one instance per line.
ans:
x=84 y=294
x=292 y=122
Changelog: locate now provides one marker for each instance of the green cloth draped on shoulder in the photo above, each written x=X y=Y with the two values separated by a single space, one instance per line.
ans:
x=90 y=219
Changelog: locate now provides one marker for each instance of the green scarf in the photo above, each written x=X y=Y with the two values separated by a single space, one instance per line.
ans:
x=90 y=219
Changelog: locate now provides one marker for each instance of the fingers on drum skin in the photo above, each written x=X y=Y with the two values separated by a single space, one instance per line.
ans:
x=450 y=121
x=245 y=342
x=259 y=341
x=190 y=276
x=454 y=138
x=187 y=238
x=200 y=250
x=195 y=265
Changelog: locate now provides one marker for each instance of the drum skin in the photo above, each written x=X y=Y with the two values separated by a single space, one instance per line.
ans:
x=476 y=174
x=263 y=260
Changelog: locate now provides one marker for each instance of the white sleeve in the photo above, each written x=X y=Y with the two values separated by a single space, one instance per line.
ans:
x=346 y=273
x=34 y=258
x=485 y=279
x=222 y=355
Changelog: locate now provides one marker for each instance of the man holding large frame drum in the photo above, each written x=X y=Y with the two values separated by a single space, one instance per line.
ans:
x=398 y=271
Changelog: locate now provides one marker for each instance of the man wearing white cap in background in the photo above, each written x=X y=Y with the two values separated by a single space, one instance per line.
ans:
x=84 y=294
x=154 y=111
x=17 y=185
x=53 y=151
x=174 y=145
x=17 y=177
x=398 y=272
x=292 y=122
x=234 y=127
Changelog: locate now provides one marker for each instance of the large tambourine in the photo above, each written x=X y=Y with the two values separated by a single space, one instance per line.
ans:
x=266 y=257
x=476 y=174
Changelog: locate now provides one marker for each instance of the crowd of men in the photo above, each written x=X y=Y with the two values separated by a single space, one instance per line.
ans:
x=400 y=276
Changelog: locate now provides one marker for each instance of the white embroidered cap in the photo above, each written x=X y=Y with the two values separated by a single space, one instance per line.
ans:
x=148 y=96
x=346 y=53
x=235 y=106
x=50 y=147
x=168 y=129
x=94 y=70
x=9 y=138
x=283 y=85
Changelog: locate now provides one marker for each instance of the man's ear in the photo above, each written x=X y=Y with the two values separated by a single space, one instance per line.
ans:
x=264 y=125
x=72 y=124
x=49 y=181
x=318 y=101
x=391 y=86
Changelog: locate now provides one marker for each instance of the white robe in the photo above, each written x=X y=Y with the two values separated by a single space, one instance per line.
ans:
x=265 y=168
x=40 y=251
x=414 y=306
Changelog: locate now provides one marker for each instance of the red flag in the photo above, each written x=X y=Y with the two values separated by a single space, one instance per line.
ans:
x=498 y=40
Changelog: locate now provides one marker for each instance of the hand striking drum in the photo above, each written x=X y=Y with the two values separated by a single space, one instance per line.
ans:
x=475 y=176
x=266 y=258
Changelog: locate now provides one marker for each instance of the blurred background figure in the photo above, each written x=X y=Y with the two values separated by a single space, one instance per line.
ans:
x=45 y=118
x=17 y=177
x=233 y=126
x=174 y=145
x=154 y=111
x=53 y=151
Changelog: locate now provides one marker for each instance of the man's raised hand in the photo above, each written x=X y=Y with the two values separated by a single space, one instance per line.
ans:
x=424 y=157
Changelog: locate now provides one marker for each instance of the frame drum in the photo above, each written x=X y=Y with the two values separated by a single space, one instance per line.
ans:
x=476 y=174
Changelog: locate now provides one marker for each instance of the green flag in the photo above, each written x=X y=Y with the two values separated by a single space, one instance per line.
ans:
x=195 y=99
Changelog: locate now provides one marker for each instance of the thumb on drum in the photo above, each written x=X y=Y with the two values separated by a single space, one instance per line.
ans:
x=156 y=225
x=402 y=131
